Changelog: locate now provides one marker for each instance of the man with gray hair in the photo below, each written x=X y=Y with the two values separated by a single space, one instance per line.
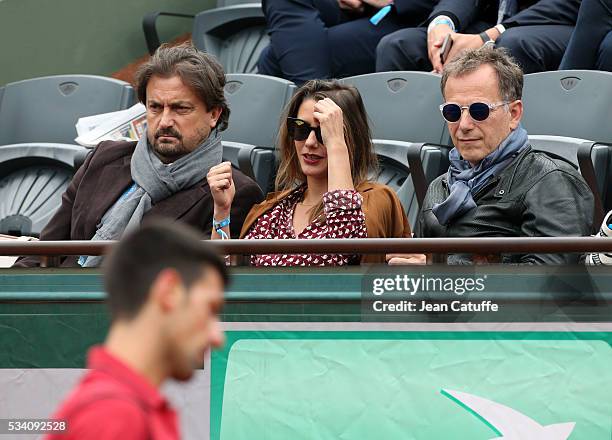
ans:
x=122 y=184
x=497 y=185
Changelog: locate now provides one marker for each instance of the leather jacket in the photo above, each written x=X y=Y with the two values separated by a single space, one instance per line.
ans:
x=536 y=195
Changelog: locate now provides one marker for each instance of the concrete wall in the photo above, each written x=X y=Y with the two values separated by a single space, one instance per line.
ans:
x=47 y=37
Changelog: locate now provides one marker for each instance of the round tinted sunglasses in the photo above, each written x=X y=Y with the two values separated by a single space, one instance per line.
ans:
x=479 y=111
x=299 y=130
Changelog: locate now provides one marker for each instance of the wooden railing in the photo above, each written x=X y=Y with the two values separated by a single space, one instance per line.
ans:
x=350 y=246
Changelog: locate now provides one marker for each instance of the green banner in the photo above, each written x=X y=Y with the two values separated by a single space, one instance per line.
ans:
x=310 y=355
x=412 y=385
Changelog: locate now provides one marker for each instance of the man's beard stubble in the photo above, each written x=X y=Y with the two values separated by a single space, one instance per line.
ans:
x=170 y=152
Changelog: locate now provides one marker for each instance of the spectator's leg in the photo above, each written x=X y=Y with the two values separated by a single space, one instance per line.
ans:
x=353 y=45
x=405 y=49
x=268 y=63
x=298 y=38
x=604 y=59
x=593 y=24
x=536 y=48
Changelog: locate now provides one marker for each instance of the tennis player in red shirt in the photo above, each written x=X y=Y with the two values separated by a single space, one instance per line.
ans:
x=165 y=290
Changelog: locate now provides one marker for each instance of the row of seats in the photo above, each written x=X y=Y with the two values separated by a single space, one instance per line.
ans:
x=46 y=109
x=405 y=105
x=37 y=120
x=401 y=105
x=235 y=32
x=37 y=150
x=33 y=178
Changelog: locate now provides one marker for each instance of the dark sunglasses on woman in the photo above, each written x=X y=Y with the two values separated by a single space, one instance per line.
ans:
x=299 y=130
x=479 y=111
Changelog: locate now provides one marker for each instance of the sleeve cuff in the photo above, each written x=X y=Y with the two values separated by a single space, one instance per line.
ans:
x=449 y=15
x=342 y=199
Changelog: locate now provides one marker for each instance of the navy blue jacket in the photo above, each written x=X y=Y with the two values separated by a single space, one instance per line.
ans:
x=531 y=12
x=413 y=8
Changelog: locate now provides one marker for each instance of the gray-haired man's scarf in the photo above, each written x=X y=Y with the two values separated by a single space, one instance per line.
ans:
x=154 y=181
x=465 y=180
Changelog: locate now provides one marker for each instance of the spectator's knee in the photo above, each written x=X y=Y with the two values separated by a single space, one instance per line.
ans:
x=393 y=51
x=519 y=48
x=383 y=49
x=605 y=54
x=513 y=42
x=275 y=5
x=267 y=63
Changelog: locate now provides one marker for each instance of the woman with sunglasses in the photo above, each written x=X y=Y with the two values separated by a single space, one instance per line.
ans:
x=323 y=191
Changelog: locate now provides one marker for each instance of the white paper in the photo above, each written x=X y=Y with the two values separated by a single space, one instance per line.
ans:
x=127 y=124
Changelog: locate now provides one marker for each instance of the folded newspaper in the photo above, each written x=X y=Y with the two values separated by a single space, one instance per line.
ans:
x=127 y=124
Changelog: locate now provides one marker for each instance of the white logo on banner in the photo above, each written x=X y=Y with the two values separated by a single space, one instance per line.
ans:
x=511 y=424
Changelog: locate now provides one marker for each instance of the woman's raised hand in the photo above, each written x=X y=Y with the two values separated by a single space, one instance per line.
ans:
x=331 y=122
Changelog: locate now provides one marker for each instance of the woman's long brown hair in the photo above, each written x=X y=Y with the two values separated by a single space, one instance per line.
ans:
x=357 y=135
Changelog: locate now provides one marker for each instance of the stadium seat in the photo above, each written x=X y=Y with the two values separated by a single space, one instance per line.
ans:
x=149 y=27
x=32 y=179
x=257 y=163
x=236 y=35
x=426 y=162
x=46 y=109
x=235 y=32
x=394 y=172
x=37 y=131
x=570 y=149
x=565 y=147
x=402 y=106
x=80 y=157
x=572 y=103
x=256 y=103
x=595 y=160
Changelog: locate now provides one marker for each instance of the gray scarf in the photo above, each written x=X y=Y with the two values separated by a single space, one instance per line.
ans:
x=465 y=180
x=154 y=181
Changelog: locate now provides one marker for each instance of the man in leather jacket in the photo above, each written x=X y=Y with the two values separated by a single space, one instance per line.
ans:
x=497 y=185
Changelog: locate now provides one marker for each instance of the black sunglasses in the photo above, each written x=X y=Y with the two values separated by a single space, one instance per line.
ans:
x=479 y=111
x=299 y=130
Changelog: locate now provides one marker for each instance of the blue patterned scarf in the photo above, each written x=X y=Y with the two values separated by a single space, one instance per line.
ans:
x=465 y=180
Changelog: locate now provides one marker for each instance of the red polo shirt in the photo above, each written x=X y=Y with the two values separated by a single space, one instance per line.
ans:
x=112 y=401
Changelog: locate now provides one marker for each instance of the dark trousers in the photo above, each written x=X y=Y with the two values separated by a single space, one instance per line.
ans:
x=536 y=48
x=591 y=44
x=315 y=39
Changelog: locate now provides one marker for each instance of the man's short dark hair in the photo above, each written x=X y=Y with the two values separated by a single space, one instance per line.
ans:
x=198 y=70
x=137 y=260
